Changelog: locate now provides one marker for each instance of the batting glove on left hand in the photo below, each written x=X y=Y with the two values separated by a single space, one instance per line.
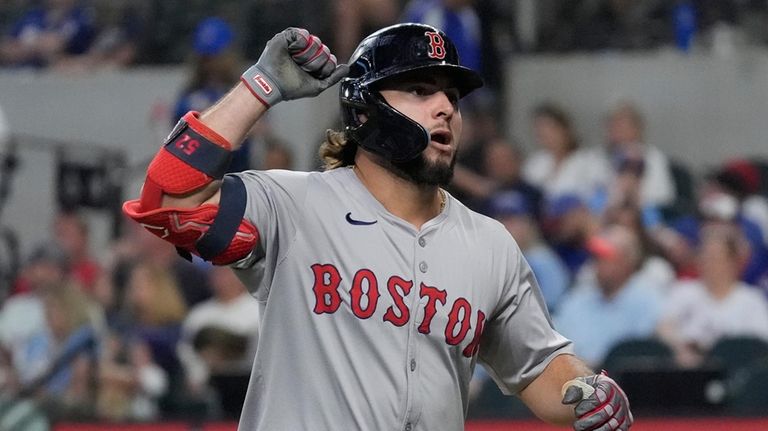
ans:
x=294 y=64
x=599 y=403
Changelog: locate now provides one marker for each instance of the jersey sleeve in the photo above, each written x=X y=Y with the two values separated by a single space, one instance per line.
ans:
x=275 y=201
x=520 y=340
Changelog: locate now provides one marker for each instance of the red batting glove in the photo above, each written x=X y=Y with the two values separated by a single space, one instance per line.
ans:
x=599 y=403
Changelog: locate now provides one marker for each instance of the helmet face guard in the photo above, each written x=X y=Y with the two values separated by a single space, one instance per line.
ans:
x=391 y=52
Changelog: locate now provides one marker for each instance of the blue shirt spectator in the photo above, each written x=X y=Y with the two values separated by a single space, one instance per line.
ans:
x=215 y=70
x=43 y=35
x=550 y=272
x=516 y=212
x=595 y=323
x=616 y=305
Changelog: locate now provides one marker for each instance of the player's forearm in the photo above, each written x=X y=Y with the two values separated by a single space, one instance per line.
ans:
x=232 y=118
x=543 y=396
x=234 y=115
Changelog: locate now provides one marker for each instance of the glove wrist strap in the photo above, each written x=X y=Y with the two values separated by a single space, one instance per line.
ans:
x=261 y=86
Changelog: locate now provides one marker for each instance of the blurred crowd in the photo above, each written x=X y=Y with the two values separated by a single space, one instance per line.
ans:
x=625 y=242
x=86 y=34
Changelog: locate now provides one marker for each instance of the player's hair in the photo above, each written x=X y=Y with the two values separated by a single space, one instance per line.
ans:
x=337 y=150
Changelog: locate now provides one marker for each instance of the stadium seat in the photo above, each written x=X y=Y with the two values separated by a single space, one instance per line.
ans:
x=685 y=200
x=492 y=404
x=736 y=353
x=747 y=391
x=638 y=353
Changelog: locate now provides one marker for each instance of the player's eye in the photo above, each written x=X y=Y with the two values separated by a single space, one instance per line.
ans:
x=453 y=95
x=420 y=90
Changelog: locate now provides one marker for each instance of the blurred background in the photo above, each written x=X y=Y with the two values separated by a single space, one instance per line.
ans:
x=622 y=143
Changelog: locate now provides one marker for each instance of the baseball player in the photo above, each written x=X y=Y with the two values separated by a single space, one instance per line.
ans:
x=379 y=290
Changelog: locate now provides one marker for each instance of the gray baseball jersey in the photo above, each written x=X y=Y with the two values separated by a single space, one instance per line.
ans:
x=371 y=324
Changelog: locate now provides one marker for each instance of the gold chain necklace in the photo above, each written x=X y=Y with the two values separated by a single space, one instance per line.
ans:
x=442 y=199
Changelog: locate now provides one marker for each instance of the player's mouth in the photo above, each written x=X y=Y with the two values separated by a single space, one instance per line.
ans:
x=441 y=139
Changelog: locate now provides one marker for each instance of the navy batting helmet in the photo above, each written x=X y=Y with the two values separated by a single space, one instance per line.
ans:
x=386 y=53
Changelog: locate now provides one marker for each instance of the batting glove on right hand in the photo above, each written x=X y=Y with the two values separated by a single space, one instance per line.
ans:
x=600 y=404
x=294 y=64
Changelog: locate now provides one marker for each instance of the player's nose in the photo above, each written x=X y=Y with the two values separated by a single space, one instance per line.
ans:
x=442 y=105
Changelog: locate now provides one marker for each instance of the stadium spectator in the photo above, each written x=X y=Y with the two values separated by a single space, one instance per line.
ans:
x=615 y=305
x=121 y=30
x=232 y=314
x=718 y=206
x=678 y=243
x=157 y=309
x=23 y=314
x=655 y=265
x=634 y=167
x=57 y=364
x=558 y=166
x=699 y=312
x=741 y=179
x=277 y=155
x=518 y=214
x=70 y=231
x=261 y=20
x=215 y=68
x=355 y=18
x=567 y=224
x=137 y=245
x=481 y=126
x=47 y=34
x=502 y=171
x=130 y=383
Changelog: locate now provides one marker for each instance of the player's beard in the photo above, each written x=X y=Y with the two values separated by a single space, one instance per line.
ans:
x=424 y=172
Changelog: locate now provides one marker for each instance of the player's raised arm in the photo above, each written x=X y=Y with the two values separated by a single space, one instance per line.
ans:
x=184 y=199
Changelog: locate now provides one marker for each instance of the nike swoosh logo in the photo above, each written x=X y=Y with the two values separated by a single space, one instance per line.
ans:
x=350 y=220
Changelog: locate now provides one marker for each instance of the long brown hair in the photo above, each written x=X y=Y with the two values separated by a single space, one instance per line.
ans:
x=337 y=150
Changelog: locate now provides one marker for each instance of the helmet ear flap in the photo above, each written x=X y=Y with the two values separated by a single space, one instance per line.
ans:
x=385 y=131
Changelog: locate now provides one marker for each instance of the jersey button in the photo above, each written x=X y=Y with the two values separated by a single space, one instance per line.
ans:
x=422 y=241
x=408 y=426
x=423 y=267
x=413 y=365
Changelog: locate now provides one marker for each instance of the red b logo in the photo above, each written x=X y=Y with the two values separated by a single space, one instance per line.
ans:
x=436 y=45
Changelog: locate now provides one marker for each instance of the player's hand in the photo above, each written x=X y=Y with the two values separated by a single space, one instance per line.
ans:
x=294 y=64
x=599 y=403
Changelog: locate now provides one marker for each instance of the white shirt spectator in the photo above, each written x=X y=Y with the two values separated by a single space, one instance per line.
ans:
x=657 y=187
x=583 y=173
x=702 y=319
x=240 y=316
